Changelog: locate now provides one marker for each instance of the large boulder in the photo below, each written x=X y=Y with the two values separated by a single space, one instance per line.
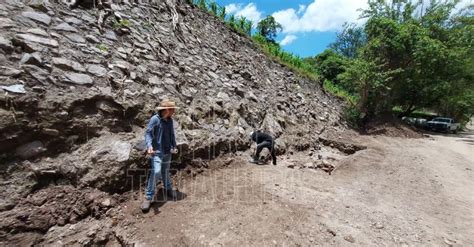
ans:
x=271 y=125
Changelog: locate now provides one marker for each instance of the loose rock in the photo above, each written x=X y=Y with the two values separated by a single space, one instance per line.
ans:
x=30 y=150
x=33 y=58
x=30 y=42
x=65 y=27
x=6 y=45
x=96 y=70
x=17 y=88
x=80 y=79
x=37 y=16
x=67 y=64
x=10 y=72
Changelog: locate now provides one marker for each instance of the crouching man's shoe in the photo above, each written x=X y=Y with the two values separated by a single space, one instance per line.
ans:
x=172 y=195
x=254 y=161
x=146 y=205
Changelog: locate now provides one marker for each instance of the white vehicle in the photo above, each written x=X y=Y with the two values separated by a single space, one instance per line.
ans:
x=442 y=124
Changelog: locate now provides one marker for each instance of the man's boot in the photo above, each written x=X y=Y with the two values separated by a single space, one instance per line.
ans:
x=254 y=160
x=146 y=205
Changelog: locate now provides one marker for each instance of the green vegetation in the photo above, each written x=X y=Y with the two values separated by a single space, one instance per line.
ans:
x=287 y=58
x=422 y=113
x=349 y=41
x=102 y=48
x=202 y=4
x=405 y=59
x=328 y=64
x=122 y=23
x=147 y=25
x=268 y=28
x=340 y=92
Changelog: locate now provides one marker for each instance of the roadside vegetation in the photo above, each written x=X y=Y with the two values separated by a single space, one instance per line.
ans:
x=407 y=59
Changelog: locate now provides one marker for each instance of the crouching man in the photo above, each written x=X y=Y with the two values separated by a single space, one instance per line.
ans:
x=263 y=140
x=161 y=144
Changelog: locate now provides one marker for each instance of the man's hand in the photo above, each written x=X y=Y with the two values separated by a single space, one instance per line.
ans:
x=150 y=150
x=174 y=151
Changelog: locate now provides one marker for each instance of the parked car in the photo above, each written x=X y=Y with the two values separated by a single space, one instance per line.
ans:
x=442 y=124
x=417 y=122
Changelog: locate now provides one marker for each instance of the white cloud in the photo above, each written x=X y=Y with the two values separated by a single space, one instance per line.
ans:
x=288 y=40
x=248 y=11
x=301 y=9
x=232 y=8
x=328 y=15
x=462 y=4
x=320 y=15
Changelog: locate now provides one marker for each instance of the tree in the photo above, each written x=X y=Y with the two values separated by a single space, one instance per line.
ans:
x=329 y=65
x=349 y=40
x=416 y=59
x=371 y=82
x=269 y=28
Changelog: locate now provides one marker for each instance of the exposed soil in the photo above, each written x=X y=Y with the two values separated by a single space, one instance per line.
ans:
x=389 y=125
x=398 y=191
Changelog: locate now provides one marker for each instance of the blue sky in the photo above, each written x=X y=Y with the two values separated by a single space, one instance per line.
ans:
x=304 y=41
x=309 y=26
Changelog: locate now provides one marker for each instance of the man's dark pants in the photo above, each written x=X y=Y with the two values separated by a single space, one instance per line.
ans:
x=271 y=148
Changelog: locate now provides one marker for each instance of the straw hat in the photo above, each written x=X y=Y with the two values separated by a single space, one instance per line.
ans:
x=167 y=104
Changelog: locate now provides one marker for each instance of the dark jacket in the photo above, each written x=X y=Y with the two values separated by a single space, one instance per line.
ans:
x=154 y=134
x=260 y=137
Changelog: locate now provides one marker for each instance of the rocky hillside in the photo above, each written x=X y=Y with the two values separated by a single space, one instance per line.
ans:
x=75 y=96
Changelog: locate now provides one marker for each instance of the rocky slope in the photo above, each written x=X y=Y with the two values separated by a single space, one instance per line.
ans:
x=74 y=97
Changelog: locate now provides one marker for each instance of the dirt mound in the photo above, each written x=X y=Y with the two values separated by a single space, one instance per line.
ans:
x=389 y=125
x=58 y=205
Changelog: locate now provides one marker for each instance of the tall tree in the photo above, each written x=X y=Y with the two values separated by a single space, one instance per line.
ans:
x=349 y=40
x=269 y=28
x=329 y=65
x=414 y=59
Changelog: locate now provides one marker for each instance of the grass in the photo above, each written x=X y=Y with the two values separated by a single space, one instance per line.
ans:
x=102 y=48
x=295 y=63
x=339 y=92
x=147 y=25
x=122 y=23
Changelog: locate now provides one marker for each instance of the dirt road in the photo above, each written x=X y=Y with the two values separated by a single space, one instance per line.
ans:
x=396 y=192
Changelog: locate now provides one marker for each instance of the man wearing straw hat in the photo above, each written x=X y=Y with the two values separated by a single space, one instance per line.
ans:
x=161 y=144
